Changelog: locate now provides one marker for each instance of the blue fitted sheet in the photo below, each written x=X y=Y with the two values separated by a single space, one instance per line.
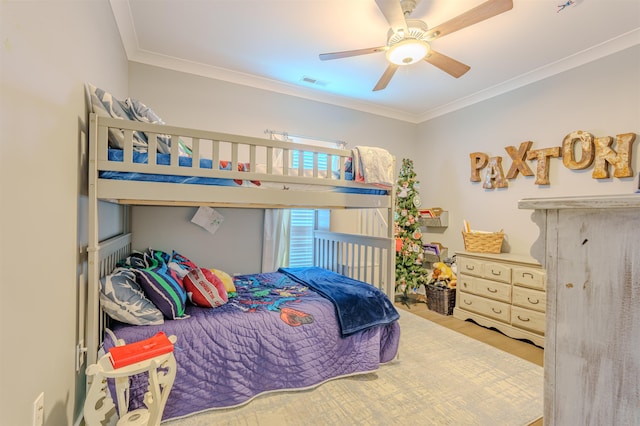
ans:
x=116 y=155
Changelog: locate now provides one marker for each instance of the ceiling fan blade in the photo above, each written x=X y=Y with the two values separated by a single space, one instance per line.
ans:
x=479 y=13
x=447 y=64
x=386 y=77
x=348 y=53
x=392 y=11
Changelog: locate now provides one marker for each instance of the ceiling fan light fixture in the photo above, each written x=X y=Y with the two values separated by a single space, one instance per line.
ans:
x=407 y=52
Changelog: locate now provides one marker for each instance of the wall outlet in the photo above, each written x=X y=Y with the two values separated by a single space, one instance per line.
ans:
x=38 y=410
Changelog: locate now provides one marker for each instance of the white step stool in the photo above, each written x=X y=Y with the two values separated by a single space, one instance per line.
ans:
x=162 y=372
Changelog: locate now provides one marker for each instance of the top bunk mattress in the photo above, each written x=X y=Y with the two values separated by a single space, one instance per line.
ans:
x=117 y=155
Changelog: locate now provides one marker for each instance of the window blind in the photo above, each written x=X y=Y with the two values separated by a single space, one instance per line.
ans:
x=302 y=220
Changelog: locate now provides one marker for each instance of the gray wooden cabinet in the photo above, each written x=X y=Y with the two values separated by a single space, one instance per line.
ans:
x=590 y=248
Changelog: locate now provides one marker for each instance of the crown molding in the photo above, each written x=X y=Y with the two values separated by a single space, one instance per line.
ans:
x=124 y=21
x=617 y=44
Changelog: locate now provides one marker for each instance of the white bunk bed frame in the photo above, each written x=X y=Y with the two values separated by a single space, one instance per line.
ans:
x=366 y=258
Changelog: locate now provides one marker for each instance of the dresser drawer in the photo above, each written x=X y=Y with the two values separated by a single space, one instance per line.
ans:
x=465 y=283
x=530 y=299
x=470 y=266
x=492 y=289
x=529 y=277
x=489 y=308
x=497 y=272
x=527 y=319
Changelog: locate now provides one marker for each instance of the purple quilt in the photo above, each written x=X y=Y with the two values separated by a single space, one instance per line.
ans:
x=276 y=334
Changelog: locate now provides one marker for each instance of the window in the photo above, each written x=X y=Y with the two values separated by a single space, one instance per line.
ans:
x=302 y=221
x=301 y=237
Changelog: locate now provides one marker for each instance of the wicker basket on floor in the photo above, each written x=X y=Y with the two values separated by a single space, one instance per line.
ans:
x=483 y=242
x=441 y=299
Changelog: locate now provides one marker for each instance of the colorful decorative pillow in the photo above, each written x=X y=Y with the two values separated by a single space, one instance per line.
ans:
x=204 y=288
x=123 y=299
x=159 y=255
x=162 y=257
x=226 y=279
x=163 y=289
x=137 y=260
x=181 y=262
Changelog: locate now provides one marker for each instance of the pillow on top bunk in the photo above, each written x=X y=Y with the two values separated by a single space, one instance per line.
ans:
x=123 y=299
x=143 y=113
x=204 y=288
x=104 y=104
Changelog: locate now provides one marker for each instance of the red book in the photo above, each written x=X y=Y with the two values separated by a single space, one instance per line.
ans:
x=131 y=353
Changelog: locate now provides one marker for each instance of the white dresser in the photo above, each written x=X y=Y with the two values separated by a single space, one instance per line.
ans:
x=503 y=291
x=590 y=248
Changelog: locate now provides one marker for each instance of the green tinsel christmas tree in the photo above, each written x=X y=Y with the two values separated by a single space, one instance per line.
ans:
x=410 y=274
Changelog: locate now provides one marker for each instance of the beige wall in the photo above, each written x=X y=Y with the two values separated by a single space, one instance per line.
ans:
x=598 y=98
x=602 y=97
x=49 y=50
x=187 y=100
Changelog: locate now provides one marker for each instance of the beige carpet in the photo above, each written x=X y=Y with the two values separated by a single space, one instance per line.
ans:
x=440 y=378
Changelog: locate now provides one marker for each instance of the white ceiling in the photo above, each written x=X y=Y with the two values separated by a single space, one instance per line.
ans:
x=274 y=44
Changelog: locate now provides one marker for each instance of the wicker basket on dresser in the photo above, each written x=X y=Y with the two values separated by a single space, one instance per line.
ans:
x=503 y=291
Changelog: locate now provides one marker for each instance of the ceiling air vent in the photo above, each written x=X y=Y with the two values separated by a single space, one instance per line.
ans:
x=313 y=81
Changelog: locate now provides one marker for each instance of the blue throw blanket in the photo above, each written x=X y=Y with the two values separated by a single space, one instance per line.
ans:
x=358 y=305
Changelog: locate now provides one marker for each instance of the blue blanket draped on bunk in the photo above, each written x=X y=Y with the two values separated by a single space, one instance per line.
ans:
x=358 y=305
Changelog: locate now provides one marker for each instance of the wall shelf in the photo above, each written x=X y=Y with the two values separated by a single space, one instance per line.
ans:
x=440 y=221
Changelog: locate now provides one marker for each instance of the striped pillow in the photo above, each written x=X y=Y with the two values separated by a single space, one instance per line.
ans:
x=204 y=288
x=161 y=287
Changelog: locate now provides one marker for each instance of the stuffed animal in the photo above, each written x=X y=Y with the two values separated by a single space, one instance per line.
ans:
x=443 y=272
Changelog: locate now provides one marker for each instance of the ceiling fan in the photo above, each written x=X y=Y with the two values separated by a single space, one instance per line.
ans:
x=408 y=39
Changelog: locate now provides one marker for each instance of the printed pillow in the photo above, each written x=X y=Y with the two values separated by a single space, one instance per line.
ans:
x=137 y=260
x=143 y=113
x=163 y=289
x=226 y=280
x=181 y=264
x=204 y=288
x=104 y=104
x=123 y=299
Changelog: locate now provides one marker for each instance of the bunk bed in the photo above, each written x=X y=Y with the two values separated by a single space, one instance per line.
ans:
x=250 y=173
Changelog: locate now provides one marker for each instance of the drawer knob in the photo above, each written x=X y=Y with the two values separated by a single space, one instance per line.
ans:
x=469 y=267
x=498 y=311
x=533 y=302
x=466 y=302
x=527 y=273
x=523 y=319
x=492 y=290
x=497 y=274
